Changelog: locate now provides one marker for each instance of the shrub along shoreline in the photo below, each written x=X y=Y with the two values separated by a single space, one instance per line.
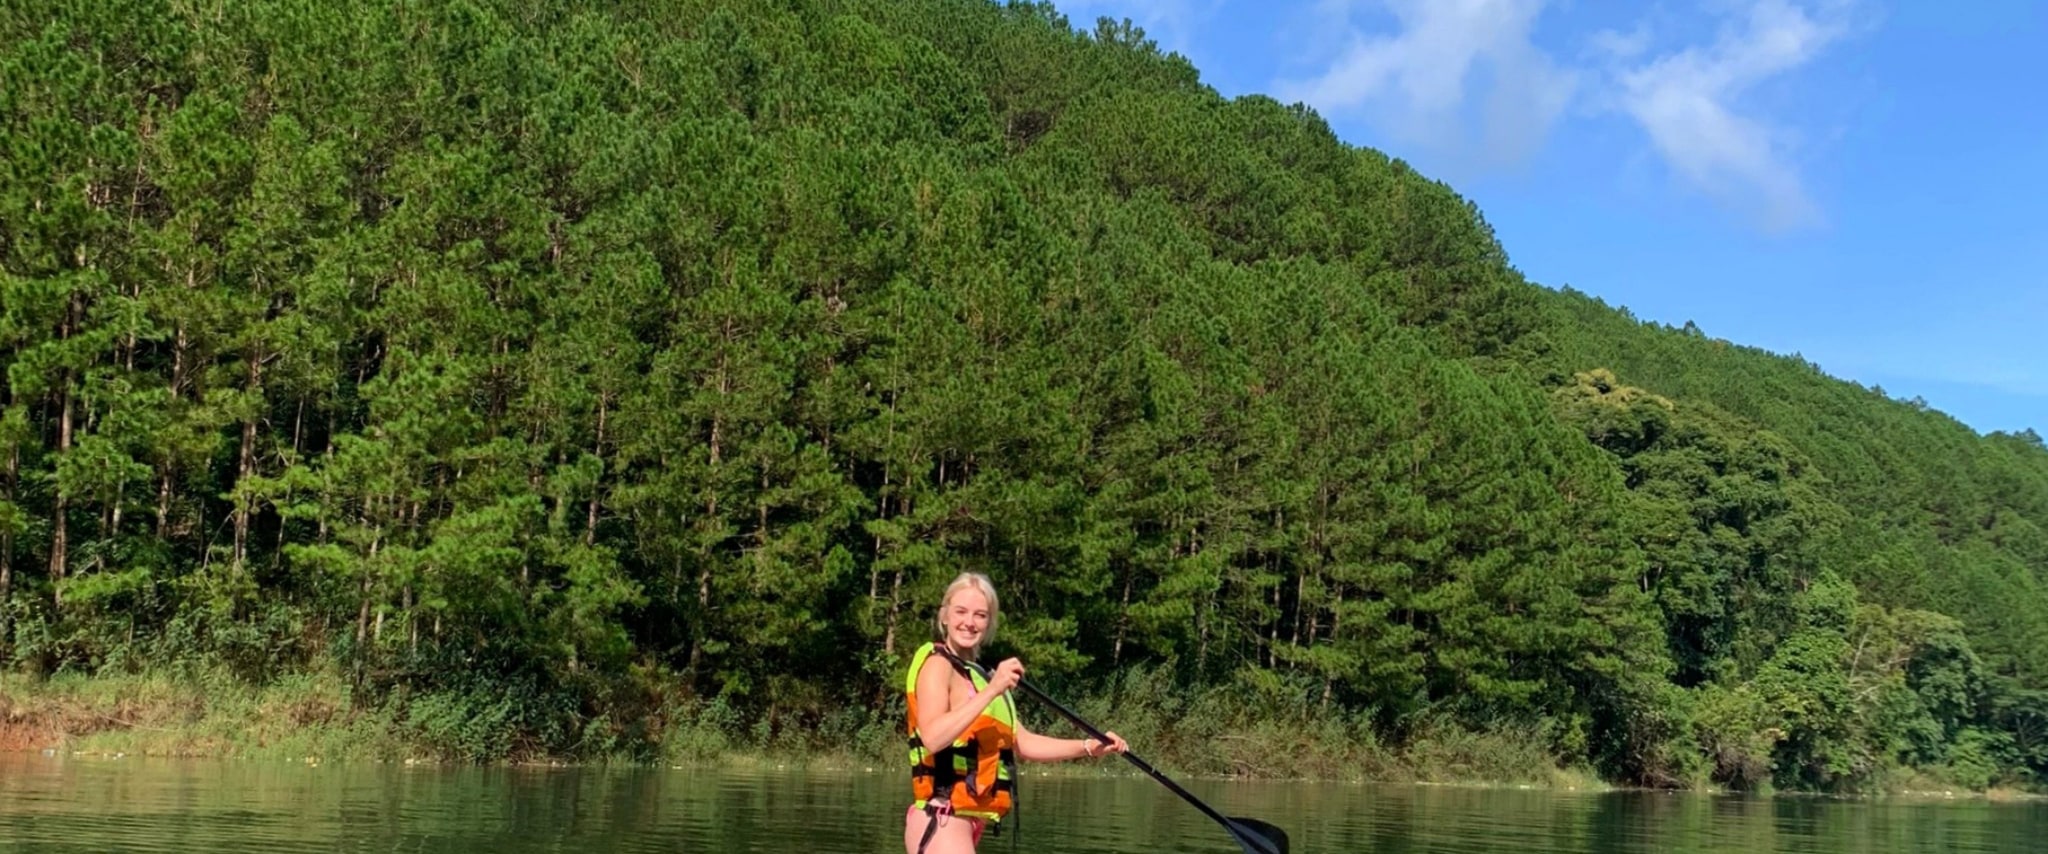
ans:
x=311 y=718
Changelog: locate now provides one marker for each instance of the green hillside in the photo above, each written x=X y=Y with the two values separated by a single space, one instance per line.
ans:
x=617 y=379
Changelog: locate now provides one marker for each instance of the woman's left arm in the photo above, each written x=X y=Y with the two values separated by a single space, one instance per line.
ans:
x=1032 y=747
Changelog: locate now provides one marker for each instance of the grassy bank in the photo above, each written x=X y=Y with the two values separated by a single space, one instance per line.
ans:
x=153 y=715
x=316 y=717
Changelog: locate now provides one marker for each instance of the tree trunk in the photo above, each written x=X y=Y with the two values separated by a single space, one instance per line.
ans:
x=363 y=613
x=1300 y=606
x=110 y=523
x=7 y=557
x=163 y=500
x=697 y=630
x=1336 y=618
x=496 y=410
x=164 y=468
x=60 y=533
x=1123 y=621
x=412 y=622
x=1315 y=623
x=705 y=556
x=895 y=589
x=247 y=464
x=1273 y=629
x=895 y=609
x=874 y=567
x=178 y=346
x=320 y=530
x=1201 y=614
x=60 y=539
x=363 y=607
x=761 y=513
x=596 y=488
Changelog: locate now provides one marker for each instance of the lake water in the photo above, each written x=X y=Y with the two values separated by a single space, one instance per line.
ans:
x=62 y=803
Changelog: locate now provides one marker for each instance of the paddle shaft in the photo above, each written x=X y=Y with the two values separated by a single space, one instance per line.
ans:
x=1144 y=766
x=1100 y=736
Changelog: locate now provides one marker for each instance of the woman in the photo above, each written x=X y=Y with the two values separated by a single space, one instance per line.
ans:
x=965 y=736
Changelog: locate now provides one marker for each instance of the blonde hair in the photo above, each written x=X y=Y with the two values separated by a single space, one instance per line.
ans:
x=986 y=588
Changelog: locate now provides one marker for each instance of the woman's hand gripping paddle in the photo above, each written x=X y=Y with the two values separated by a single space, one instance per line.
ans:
x=1257 y=837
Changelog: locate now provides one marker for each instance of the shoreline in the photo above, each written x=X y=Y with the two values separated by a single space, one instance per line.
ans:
x=752 y=762
x=312 y=721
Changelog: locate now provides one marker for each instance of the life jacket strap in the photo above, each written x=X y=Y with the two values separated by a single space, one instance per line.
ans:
x=932 y=812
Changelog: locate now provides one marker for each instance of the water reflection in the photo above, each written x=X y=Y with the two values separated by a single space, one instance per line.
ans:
x=77 y=804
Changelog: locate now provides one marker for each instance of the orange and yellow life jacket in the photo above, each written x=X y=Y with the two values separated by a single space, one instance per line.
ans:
x=976 y=772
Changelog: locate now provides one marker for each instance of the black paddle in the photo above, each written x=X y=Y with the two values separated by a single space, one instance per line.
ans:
x=1256 y=836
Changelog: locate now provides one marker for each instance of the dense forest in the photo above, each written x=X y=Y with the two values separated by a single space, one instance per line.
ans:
x=570 y=370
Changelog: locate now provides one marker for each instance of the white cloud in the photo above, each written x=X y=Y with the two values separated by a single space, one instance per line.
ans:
x=1414 y=84
x=1465 y=81
x=1688 y=103
x=1620 y=45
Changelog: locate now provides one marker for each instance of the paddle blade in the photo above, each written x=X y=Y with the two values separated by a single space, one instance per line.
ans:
x=1258 y=837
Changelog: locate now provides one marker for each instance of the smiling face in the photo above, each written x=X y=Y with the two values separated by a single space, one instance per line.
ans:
x=965 y=618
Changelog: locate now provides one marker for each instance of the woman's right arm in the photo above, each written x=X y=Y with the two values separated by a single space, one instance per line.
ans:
x=937 y=724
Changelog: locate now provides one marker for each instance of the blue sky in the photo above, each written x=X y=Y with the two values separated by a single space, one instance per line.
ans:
x=1862 y=183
